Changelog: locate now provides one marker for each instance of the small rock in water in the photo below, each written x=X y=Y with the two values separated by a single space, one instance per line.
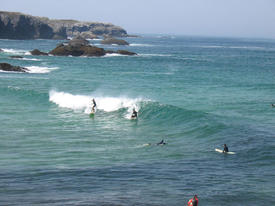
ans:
x=11 y=68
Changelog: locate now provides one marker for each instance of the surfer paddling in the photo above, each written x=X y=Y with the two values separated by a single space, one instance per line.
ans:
x=161 y=142
x=225 y=149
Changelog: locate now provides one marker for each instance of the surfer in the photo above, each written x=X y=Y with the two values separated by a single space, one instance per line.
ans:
x=272 y=105
x=94 y=105
x=193 y=201
x=134 y=114
x=161 y=142
x=225 y=148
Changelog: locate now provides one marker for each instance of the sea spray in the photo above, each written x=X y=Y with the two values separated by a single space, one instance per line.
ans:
x=104 y=103
x=37 y=69
x=16 y=51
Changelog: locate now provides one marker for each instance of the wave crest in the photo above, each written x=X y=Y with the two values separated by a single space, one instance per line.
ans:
x=83 y=102
x=36 y=69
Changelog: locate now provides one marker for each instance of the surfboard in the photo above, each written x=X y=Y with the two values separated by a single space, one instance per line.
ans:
x=92 y=114
x=221 y=151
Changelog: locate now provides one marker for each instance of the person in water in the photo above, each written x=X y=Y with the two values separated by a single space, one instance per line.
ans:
x=134 y=114
x=272 y=105
x=225 y=148
x=193 y=201
x=94 y=105
x=161 y=142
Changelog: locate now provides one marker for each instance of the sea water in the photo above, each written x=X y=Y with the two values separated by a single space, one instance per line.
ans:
x=195 y=93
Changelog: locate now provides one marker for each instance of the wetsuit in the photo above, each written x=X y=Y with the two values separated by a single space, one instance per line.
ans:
x=195 y=202
x=161 y=142
x=225 y=149
x=134 y=114
x=94 y=105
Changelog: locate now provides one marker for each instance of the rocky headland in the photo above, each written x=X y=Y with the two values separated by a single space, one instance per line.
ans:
x=10 y=68
x=15 y=25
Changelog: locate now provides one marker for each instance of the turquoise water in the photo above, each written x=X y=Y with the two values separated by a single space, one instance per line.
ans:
x=195 y=93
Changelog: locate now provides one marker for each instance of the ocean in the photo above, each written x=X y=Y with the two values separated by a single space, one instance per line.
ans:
x=195 y=93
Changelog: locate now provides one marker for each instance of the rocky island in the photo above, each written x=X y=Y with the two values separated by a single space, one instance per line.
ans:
x=80 y=47
x=15 y=25
x=10 y=68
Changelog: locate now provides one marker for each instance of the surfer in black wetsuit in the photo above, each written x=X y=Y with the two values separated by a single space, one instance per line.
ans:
x=94 y=105
x=161 y=142
x=225 y=148
x=134 y=114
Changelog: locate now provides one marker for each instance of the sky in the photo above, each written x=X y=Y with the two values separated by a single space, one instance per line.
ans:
x=224 y=18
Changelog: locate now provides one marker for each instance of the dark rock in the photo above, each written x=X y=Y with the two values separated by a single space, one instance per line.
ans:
x=10 y=68
x=124 y=52
x=16 y=57
x=14 y=25
x=36 y=52
x=93 y=51
x=78 y=42
x=110 y=52
x=81 y=47
x=114 y=41
x=77 y=47
x=79 y=50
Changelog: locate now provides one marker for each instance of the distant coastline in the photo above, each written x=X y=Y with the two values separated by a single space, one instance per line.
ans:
x=15 y=25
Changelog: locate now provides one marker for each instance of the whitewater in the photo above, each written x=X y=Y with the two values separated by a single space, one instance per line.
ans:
x=195 y=93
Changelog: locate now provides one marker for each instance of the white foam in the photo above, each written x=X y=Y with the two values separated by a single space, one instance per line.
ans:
x=84 y=102
x=29 y=59
x=113 y=55
x=16 y=51
x=36 y=69
x=13 y=87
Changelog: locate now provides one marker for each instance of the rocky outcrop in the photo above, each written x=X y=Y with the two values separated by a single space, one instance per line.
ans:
x=16 y=57
x=9 y=68
x=124 y=52
x=15 y=25
x=81 y=47
x=78 y=41
x=77 y=48
x=36 y=52
x=114 y=41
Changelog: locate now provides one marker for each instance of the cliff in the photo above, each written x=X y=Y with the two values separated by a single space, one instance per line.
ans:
x=14 y=25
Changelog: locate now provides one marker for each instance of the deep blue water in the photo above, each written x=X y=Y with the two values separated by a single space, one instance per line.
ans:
x=195 y=93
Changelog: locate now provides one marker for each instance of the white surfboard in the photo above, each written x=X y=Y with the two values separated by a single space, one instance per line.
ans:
x=221 y=151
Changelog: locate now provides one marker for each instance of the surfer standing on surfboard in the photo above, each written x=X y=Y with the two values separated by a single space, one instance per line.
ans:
x=225 y=148
x=94 y=105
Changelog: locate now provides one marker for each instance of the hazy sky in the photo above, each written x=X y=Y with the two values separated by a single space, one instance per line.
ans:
x=232 y=18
